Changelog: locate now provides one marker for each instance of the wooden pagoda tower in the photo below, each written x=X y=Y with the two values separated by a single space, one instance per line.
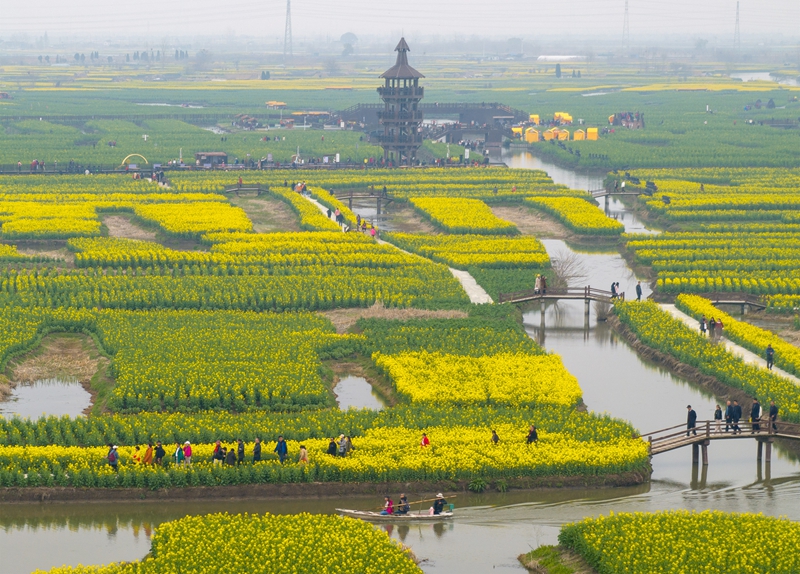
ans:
x=401 y=116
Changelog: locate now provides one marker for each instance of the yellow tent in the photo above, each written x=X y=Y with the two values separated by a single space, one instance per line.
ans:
x=578 y=135
x=517 y=130
x=550 y=134
x=563 y=116
x=531 y=135
x=611 y=119
x=534 y=119
x=591 y=134
x=563 y=135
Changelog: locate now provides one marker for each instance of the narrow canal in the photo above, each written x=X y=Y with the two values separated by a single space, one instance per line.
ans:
x=493 y=528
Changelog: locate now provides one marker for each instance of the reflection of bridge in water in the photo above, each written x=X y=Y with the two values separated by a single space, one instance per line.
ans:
x=764 y=432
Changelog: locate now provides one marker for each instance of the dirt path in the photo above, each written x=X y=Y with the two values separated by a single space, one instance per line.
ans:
x=344 y=319
x=404 y=219
x=531 y=222
x=267 y=214
x=122 y=226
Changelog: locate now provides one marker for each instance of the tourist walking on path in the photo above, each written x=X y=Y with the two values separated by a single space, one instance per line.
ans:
x=230 y=458
x=773 y=415
x=720 y=329
x=257 y=451
x=216 y=455
x=737 y=414
x=728 y=416
x=281 y=449
x=691 y=420
x=332 y=447
x=303 y=457
x=160 y=453
x=178 y=454
x=639 y=291
x=187 y=454
x=136 y=457
x=718 y=418
x=342 y=445
x=113 y=457
x=147 y=459
x=703 y=326
x=755 y=417
x=533 y=436
x=239 y=451
x=712 y=328
x=770 y=357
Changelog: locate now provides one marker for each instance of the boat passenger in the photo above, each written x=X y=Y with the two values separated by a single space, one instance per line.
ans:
x=438 y=504
x=403 y=507
x=388 y=506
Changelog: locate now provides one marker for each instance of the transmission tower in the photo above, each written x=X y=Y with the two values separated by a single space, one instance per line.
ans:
x=737 y=39
x=626 y=32
x=287 y=35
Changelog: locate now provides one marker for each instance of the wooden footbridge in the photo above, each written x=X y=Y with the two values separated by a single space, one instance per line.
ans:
x=247 y=189
x=597 y=193
x=382 y=198
x=747 y=301
x=586 y=294
x=765 y=432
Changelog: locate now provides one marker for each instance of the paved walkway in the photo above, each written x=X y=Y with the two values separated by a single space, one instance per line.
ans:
x=475 y=292
x=737 y=350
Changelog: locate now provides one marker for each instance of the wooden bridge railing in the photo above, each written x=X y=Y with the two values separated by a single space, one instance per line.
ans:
x=247 y=188
x=587 y=293
x=668 y=439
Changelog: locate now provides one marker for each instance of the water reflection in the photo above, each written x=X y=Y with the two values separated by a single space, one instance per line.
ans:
x=357 y=393
x=47 y=397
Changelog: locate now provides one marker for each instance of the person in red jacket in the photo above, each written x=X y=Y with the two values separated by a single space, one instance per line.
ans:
x=425 y=441
x=388 y=506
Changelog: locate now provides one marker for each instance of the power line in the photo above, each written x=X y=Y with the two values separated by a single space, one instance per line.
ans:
x=626 y=32
x=287 y=34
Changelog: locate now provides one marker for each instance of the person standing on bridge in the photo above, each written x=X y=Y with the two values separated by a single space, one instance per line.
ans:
x=755 y=417
x=770 y=357
x=773 y=415
x=718 y=418
x=544 y=285
x=691 y=421
x=728 y=416
x=638 y=290
x=737 y=414
x=537 y=285
x=613 y=290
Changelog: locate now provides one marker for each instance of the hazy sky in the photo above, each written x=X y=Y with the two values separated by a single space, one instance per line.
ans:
x=111 y=19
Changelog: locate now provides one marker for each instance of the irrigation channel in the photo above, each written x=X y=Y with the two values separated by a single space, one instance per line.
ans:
x=490 y=529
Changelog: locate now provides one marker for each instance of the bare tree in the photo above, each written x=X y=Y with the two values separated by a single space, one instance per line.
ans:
x=569 y=270
x=602 y=310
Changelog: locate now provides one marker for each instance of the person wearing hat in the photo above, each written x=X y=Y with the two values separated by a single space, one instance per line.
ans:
x=187 y=454
x=691 y=421
x=438 y=504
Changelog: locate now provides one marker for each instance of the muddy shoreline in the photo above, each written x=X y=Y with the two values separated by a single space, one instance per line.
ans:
x=23 y=495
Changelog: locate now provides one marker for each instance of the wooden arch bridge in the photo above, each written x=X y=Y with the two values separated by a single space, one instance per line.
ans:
x=765 y=432
x=586 y=294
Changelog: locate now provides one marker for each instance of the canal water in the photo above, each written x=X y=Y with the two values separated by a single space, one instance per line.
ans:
x=490 y=529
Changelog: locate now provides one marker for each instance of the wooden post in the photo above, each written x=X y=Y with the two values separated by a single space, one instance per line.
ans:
x=586 y=307
x=695 y=453
x=379 y=206
x=705 y=452
x=760 y=450
x=350 y=201
x=768 y=458
x=708 y=428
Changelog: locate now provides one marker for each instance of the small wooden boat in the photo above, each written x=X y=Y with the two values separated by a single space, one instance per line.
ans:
x=422 y=516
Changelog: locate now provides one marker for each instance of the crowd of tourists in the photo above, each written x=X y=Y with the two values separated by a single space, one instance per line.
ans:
x=732 y=415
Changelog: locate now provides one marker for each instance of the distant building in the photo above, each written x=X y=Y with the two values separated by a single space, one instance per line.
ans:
x=211 y=158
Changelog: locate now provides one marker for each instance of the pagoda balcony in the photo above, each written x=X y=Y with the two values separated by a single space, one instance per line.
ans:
x=391 y=92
